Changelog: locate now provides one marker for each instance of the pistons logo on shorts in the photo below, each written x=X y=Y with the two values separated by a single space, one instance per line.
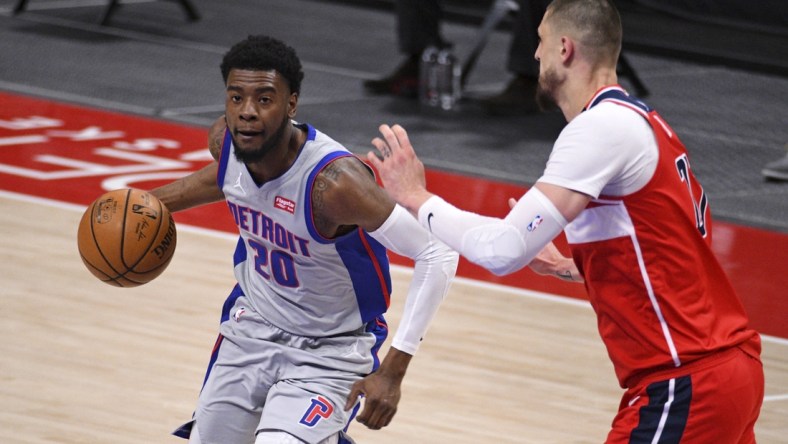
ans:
x=319 y=409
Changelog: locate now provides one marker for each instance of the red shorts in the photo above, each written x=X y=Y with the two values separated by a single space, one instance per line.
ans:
x=714 y=400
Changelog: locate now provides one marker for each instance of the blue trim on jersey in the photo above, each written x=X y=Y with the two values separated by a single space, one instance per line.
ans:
x=311 y=133
x=359 y=261
x=310 y=225
x=619 y=94
x=230 y=301
x=366 y=278
x=223 y=157
x=240 y=251
x=380 y=329
x=651 y=414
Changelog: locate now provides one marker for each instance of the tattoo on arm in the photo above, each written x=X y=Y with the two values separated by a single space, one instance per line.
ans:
x=331 y=171
x=217 y=141
x=318 y=189
x=322 y=183
x=565 y=275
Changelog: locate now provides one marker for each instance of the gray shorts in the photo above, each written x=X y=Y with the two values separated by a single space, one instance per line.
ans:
x=264 y=378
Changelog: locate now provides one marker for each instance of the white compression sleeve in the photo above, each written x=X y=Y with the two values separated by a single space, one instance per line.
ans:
x=435 y=266
x=499 y=245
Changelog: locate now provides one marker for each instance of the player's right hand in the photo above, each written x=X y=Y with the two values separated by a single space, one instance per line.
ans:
x=381 y=395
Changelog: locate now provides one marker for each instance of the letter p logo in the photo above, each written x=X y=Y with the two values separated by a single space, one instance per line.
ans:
x=320 y=408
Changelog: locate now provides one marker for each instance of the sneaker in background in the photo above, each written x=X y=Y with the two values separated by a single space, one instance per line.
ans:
x=403 y=82
x=777 y=170
x=519 y=97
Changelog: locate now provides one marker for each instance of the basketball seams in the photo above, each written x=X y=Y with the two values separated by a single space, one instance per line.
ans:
x=150 y=244
x=122 y=234
x=110 y=279
x=95 y=241
x=97 y=244
x=101 y=250
x=170 y=223
x=99 y=253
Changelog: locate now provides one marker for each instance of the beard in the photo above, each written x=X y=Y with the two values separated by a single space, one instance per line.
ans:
x=545 y=91
x=256 y=154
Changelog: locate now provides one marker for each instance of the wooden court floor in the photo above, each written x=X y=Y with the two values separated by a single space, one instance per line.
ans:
x=83 y=362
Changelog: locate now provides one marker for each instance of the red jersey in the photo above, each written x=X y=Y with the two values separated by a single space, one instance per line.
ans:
x=661 y=297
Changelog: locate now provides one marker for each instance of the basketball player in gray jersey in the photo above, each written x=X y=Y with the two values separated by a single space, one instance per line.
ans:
x=300 y=331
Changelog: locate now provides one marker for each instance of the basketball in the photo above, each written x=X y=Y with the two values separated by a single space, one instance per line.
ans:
x=126 y=237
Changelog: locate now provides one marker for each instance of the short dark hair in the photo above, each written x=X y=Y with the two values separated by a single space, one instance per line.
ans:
x=596 y=22
x=264 y=53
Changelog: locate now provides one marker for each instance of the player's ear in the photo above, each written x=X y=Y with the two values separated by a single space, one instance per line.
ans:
x=567 y=49
x=292 y=105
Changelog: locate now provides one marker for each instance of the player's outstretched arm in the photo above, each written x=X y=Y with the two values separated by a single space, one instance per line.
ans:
x=550 y=261
x=346 y=195
x=435 y=265
x=500 y=245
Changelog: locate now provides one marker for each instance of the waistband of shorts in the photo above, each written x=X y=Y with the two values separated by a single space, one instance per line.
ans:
x=704 y=362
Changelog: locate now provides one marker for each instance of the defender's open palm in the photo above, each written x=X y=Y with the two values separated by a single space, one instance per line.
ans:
x=401 y=172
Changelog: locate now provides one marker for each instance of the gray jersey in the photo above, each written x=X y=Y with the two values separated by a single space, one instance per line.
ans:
x=304 y=322
x=295 y=278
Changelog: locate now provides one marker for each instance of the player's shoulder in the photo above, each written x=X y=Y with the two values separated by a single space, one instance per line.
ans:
x=610 y=119
x=610 y=110
x=216 y=136
x=346 y=171
x=319 y=147
x=327 y=153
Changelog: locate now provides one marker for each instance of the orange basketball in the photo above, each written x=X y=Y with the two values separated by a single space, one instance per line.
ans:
x=126 y=237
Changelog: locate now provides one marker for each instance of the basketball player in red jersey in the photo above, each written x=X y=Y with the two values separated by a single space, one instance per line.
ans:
x=619 y=183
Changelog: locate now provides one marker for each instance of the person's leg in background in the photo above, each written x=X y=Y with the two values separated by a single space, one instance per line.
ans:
x=518 y=97
x=418 y=26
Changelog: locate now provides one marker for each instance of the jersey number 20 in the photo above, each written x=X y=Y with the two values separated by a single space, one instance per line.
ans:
x=278 y=265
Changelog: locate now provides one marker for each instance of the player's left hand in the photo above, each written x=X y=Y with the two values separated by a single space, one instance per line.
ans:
x=381 y=396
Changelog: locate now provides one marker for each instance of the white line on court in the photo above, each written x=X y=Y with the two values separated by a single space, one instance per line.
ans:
x=466 y=281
